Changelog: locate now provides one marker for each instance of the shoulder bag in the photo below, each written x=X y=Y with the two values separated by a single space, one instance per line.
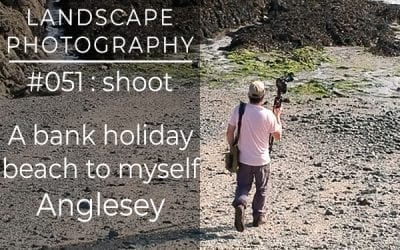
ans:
x=232 y=157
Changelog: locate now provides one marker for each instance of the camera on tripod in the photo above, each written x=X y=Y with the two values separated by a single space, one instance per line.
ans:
x=281 y=85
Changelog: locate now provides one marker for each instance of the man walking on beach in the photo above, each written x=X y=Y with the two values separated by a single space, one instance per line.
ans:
x=257 y=125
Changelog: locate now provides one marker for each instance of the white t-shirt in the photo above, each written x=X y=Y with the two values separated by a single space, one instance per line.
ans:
x=257 y=124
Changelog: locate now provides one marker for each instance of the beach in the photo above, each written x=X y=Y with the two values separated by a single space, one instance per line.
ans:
x=334 y=182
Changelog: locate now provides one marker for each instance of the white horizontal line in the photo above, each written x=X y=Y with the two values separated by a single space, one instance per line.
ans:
x=102 y=61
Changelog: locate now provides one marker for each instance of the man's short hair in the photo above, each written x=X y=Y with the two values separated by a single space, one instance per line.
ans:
x=255 y=100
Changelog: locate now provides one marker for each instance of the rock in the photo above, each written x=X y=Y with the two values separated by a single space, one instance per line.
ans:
x=256 y=242
x=112 y=234
x=317 y=164
x=363 y=201
x=369 y=191
x=329 y=212
x=84 y=205
x=42 y=190
x=358 y=227
x=196 y=64
x=46 y=158
x=367 y=168
x=6 y=219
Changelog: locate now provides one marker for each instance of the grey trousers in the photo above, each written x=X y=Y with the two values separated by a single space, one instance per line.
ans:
x=245 y=176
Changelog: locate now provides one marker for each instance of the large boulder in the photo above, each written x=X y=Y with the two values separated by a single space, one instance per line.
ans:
x=13 y=23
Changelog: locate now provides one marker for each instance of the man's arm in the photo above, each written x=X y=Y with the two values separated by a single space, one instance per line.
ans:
x=230 y=134
x=278 y=135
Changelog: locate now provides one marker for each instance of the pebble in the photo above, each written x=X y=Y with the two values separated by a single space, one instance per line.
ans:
x=84 y=205
x=112 y=234
x=318 y=164
x=6 y=219
x=358 y=227
x=328 y=212
x=369 y=191
x=363 y=201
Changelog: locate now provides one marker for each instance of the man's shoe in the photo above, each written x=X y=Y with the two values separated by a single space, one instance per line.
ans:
x=239 y=218
x=259 y=220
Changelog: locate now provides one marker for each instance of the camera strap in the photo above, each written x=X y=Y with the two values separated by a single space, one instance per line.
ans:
x=242 y=108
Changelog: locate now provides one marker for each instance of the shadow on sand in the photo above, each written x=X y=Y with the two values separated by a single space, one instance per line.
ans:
x=165 y=238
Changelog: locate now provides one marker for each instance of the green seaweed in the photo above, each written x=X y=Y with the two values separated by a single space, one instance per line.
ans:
x=226 y=79
x=311 y=88
x=344 y=85
x=277 y=63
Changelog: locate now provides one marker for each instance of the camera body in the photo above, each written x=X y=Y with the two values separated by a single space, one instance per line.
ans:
x=281 y=85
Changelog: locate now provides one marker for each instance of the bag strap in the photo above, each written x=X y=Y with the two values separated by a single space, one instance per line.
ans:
x=242 y=108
